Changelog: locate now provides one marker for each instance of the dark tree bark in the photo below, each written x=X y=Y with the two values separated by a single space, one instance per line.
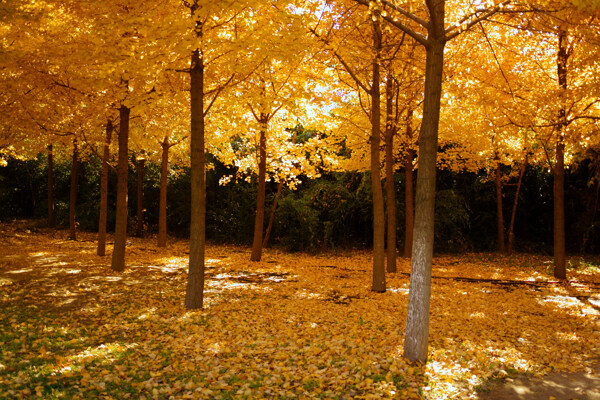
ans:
x=73 y=193
x=417 y=319
x=101 y=248
x=511 y=236
x=378 y=207
x=194 y=296
x=51 y=216
x=272 y=216
x=118 y=255
x=141 y=165
x=259 y=217
x=162 y=209
x=390 y=191
x=409 y=194
x=560 y=271
x=499 y=213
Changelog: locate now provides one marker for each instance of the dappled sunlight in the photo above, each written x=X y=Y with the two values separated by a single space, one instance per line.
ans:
x=149 y=312
x=305 y=294
x=402 y=290
x=20 y=271
x=102 y=351
x=565 y=302
x=288 y=325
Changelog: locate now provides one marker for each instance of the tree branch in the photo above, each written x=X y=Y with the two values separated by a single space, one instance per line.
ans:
x=394 y=21
x=456 y=30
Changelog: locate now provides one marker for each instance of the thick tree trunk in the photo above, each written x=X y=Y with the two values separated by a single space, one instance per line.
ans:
x=417 y=319
x=73 y=193
x=560 y=271
x=272 y=216
x=259 y=218
x=51 y=216
x=511 y=236
x=390 y=131
x=409 y=195
x=118 y=255
x=101 y=248
x=139 y=229
x=194 y=296
x=162 y=208
x=499 y=213
x=378 y=207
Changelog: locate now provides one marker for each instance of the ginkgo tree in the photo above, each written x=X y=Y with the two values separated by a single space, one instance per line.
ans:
x=563 y=35
x=553 y=104
x=271 y=101
x=214 y=47
x=362 y=74
x=165 y=127
x=433 y=33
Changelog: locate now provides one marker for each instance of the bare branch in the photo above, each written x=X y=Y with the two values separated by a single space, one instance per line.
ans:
x=343 y=62
x=404 y=28
x=217 y=91
x=457 y=29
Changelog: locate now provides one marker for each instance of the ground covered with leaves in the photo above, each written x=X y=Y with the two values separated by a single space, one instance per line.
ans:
x=290 y=326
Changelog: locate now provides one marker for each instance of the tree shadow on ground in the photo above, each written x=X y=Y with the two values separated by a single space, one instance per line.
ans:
x=560 y=386
x=263 y=312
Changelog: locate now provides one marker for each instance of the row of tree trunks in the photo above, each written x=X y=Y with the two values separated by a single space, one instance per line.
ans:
x=508 y=248
x=101 y=247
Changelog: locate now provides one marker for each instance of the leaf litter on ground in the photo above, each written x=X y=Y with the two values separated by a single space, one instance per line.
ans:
x=291 y=326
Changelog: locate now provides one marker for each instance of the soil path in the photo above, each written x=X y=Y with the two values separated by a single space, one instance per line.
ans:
x=557 y=386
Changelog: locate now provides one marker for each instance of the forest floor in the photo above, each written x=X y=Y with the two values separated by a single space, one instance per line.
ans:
x=290 y=326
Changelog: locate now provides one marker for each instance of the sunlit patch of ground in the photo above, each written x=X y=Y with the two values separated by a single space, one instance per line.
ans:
x=290 y=326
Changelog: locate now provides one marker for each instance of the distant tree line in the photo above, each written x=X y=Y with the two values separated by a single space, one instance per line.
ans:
x=331 y=212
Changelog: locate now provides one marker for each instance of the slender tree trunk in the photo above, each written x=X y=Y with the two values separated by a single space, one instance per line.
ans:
x=101 y=249
x=141 y=164
x=162 y=211
x=559 y=166
x=194 y=296
x=511 y=235
x=73 y=193
x=559 y=213
x=390 y=131
x=409 y=195
x=118 y=255
x=499 y=213
x=378 y=207
x=417 y=319
x=259 y=218
x=272 y=216
x=51 y=216
x=591 y=220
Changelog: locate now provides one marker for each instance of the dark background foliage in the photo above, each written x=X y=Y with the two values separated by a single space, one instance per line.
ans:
x=330 y=212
